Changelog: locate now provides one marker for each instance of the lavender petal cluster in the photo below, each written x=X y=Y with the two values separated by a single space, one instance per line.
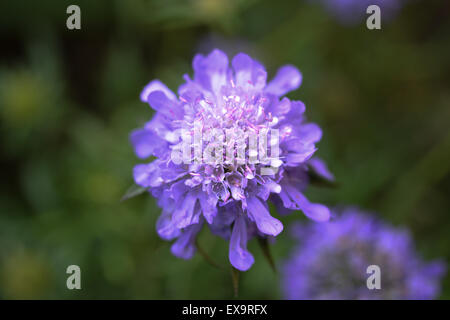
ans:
x=332 y=258
x=230 y=197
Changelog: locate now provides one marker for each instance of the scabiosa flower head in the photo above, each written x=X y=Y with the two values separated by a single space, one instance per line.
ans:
x=225 y=144
x=333 y=258
x=354 y=11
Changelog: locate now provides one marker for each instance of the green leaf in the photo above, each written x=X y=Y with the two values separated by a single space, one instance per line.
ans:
x=264 y=244
x=133 y=191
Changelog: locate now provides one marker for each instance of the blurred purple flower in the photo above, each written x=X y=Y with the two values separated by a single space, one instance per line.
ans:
x=332 y=259
x=354 y=11
x=229 y=197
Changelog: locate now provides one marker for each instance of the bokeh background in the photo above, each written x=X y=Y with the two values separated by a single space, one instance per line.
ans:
x=69 y=99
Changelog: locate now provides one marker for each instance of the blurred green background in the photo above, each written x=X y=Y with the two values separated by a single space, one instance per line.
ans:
x=69 y=99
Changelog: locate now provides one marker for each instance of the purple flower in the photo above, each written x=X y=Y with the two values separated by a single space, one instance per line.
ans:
x=354 y=11
x=332 y=259
x=221 y=180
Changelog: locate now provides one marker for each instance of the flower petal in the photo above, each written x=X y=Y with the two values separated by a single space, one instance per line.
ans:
x=264 y=221
x=288 y=78
x=147 y=175
x=208 y=204
x=248 y=72
x=320 y=168
x=211 y=71
x=186 y=212
x=294 y=199
x=165 y=228
x=239 y=256
x=297 y=151
x=161 y=103
x=309 y=133
x=147 y=142
x=185 y=247
x=156 y=85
